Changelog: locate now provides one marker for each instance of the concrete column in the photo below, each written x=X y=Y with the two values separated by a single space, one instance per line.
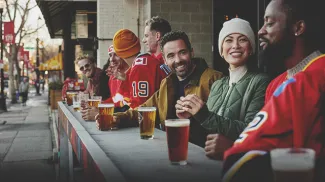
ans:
x=110 y=16
x=113 y=15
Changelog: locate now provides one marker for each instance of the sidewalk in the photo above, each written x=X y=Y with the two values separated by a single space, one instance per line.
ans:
x=26 y=142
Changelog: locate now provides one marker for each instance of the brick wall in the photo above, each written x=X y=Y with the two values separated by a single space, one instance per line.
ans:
x=192 y=16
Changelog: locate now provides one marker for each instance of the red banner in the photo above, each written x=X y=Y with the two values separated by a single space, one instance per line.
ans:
x=26 y=56
x=9 y=32
x=20 y=55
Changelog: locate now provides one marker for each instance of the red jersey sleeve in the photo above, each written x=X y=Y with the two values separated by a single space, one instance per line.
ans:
x=291 y=118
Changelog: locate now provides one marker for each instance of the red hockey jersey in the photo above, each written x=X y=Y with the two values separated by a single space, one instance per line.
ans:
x=117 y=98
x=144 y=79
x=293 y=116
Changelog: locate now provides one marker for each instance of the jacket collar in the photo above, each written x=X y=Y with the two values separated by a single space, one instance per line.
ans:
x=200 y=67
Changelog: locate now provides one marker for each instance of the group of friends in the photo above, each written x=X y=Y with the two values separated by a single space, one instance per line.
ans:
x=237 y=118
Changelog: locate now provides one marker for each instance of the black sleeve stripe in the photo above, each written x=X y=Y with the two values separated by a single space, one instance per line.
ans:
x=165 y=68
x=281 y=135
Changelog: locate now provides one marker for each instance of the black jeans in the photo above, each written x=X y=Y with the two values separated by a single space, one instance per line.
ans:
x=24 y=95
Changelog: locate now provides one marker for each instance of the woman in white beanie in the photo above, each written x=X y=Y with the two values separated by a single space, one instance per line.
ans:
x=234 y=100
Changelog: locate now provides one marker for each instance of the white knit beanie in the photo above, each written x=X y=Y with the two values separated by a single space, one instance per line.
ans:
x=236 y=25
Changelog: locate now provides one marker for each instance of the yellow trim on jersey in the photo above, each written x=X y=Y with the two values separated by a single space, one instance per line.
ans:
x=312 y=61
x=127 y=99
x=234 y=168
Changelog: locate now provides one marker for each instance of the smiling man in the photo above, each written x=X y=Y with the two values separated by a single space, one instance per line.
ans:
x=156 y=27
x=87 y=65
x=189 y=76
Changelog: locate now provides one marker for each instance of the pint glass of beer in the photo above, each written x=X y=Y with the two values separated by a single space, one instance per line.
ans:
x=70 y=97
x=106 y=117
x=177 y=131
x=147 y=117
x=76 y=102
x=94 y=101
x=290 y=164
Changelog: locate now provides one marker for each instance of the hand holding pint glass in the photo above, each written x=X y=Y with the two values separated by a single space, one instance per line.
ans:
x=293 y=164
x=105 y=117
x=94 y=101
x=147 y=117
x=83 y=100
x=177 y=131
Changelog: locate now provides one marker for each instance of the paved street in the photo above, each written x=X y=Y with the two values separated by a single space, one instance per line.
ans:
x=26 y=142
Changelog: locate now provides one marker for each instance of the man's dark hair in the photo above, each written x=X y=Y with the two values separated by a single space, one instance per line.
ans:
x=175 y=35
x=308 y=11
x=158 y=24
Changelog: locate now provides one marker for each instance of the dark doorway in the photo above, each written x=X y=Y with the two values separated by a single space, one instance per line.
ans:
x=223 y=10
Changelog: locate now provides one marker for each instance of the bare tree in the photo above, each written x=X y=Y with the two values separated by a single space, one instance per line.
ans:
x=17 y=11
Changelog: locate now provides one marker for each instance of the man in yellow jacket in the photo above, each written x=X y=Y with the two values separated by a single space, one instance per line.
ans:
x=189 y=76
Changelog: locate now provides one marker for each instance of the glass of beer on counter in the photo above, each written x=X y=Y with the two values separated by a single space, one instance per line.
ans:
x=70 y=97
x=106 y=117
x=94 y=101
x=177 y=131
x=293 y=164
x=147 y=117
x=76 y=102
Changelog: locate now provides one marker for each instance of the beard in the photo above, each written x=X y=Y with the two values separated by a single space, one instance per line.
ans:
x=186 y=71
x=272 y=58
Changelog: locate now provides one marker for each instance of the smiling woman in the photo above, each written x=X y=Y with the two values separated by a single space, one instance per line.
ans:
x=235 y=99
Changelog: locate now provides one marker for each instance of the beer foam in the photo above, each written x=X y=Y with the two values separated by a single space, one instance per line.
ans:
x=105 y=105
x=284 y=160
x=177 y=122
x=146 y=109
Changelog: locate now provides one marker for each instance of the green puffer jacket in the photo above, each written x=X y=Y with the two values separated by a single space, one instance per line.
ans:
x=231 y=122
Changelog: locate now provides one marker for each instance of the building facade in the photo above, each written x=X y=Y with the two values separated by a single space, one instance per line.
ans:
x=201 y=20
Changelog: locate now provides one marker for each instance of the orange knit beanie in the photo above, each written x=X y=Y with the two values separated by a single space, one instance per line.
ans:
x=126 y=43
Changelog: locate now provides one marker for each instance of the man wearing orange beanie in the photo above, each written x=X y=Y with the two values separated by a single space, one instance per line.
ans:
x=144 y=74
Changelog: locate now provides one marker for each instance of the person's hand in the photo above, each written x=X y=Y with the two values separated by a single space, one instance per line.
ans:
x=98 y=124
x=180 y=113
x=97 y=120
x=89 y=113
x=216 y=145
x=83 y=104
x=191 y=103
x=109 y=71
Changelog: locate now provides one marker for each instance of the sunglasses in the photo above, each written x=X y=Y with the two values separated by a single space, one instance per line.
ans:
x=86 y=66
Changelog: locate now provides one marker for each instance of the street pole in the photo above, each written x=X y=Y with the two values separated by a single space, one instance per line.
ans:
x=37 y=62
x=36 y=69
x=3 y=105
x=23 y=74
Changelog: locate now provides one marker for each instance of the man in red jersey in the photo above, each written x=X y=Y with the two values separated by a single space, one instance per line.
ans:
x=156 y=27
x=144 y=75
x=293 y=115
x=116 y=72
